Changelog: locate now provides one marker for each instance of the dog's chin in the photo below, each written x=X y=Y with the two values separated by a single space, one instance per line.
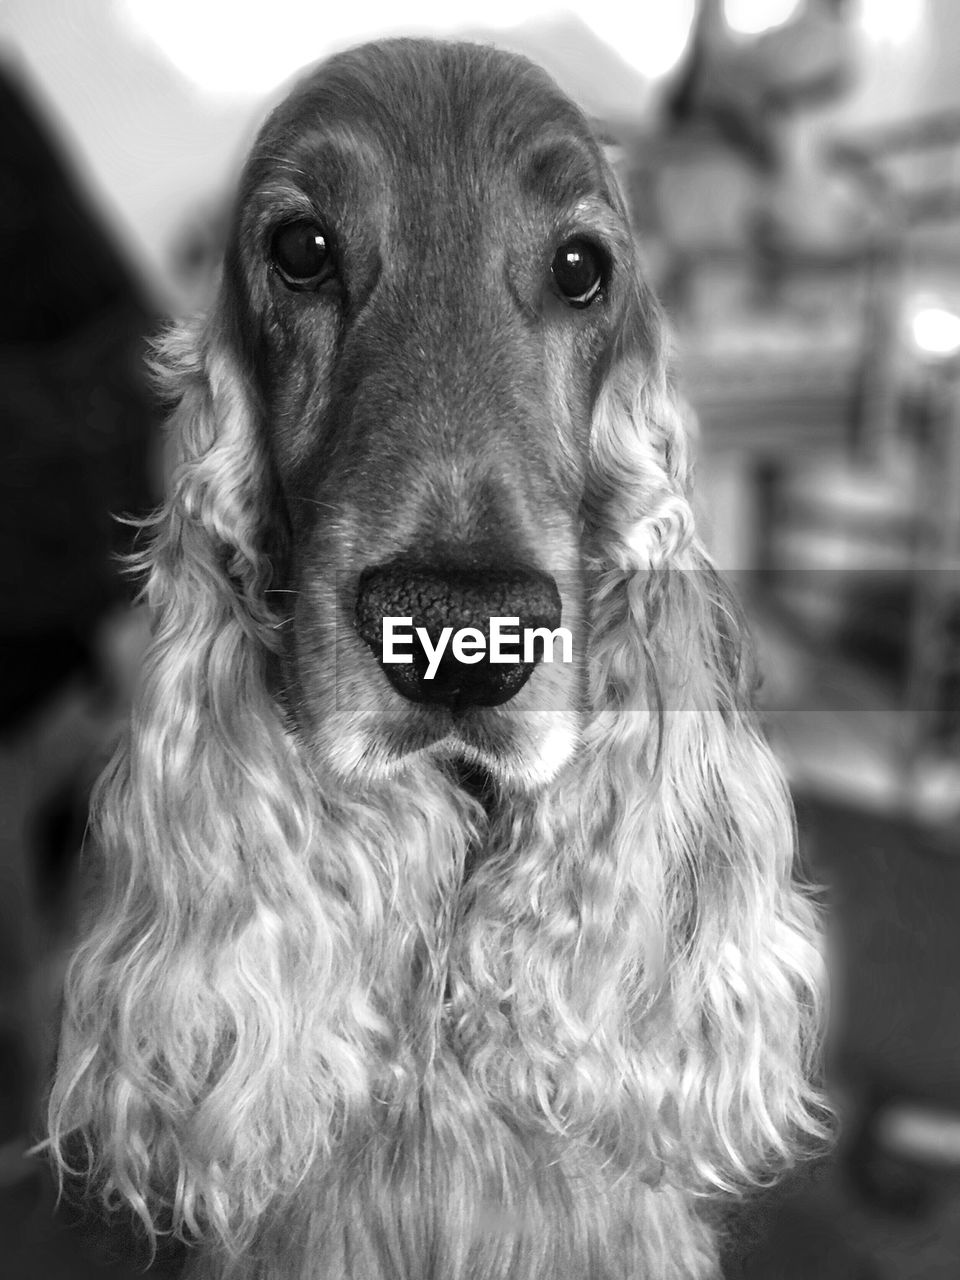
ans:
x=518 y=752
x=527 y=763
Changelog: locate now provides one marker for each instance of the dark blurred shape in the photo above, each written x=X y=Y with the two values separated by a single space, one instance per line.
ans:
x=741 y=86
x=76 y=414
x=730 y=122
x=77 y=423
x=892 y=889
x=57 y=266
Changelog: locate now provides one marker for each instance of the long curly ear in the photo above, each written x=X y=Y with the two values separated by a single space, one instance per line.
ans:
x=206 y=903
x=638 y=973
x=738 y=977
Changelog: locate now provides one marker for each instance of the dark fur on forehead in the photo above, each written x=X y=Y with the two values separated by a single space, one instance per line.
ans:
x=420 y=97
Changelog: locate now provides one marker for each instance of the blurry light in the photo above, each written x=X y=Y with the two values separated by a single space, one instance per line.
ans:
x=891 y=21
x=650 y=36
x=246 y=49
x=921 y=1134
x=936 y=331
x=751 y=17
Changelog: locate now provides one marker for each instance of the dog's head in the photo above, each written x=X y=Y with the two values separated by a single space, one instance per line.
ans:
x=429 y=281
x=432 y=388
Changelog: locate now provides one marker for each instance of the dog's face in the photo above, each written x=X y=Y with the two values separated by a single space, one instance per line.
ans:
x=324 y=1009
x=429 y=263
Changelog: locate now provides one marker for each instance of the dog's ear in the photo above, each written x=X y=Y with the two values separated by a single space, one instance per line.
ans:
x=640 y=972
x=736 y=960
x=210 y=932
x=212 y=530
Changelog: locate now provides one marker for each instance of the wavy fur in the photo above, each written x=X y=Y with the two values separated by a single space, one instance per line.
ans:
x=292 y=1038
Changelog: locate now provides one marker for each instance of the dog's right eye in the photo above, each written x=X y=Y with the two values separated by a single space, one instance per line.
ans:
x=577 y=270
x=301 y=254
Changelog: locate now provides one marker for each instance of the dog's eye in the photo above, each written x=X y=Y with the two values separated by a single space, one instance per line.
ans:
x=301 y=254
x=577 y=268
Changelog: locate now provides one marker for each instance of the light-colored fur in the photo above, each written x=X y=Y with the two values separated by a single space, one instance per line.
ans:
x=293 y=1037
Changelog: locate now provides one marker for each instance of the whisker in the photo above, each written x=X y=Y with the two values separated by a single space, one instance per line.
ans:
x=313 y=502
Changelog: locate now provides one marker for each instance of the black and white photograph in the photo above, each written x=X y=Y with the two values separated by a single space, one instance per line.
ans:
x=480 y=640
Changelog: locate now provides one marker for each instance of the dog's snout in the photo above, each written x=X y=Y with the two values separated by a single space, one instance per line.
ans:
x=428 y=659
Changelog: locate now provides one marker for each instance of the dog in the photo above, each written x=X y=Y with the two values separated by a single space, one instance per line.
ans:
x=445 y=963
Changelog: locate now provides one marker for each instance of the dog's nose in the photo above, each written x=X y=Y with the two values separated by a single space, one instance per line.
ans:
x=435 y=667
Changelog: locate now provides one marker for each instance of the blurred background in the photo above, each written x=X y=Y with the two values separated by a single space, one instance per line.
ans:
x=793 y=170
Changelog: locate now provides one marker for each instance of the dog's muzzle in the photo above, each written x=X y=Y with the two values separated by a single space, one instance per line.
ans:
x=435 y=599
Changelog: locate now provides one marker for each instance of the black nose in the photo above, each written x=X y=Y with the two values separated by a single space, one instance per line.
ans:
x=436 y=599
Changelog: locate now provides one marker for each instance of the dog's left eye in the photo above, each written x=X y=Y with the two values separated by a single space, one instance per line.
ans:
x=301 y=254
x=577 y=268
